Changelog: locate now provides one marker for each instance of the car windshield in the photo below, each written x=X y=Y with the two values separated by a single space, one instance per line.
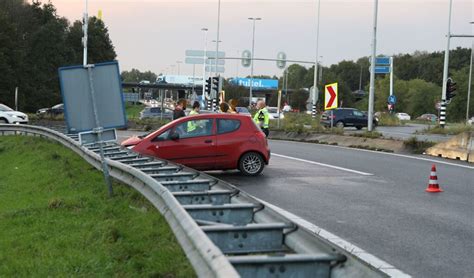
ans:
x=5 y=108
x=272 y=110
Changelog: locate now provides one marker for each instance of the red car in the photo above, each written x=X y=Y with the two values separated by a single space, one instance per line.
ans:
x=208 y=142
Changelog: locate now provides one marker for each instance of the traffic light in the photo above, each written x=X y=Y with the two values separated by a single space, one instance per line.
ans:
x=450 y=89
x=208 y=86
x=214 y=86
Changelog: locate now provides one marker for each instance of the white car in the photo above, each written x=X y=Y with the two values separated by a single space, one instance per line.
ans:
x=10 y=116
x=471 y=121
x=403 y=116
x=273 y=112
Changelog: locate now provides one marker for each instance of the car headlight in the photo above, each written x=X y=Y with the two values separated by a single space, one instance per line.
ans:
x=130 y=147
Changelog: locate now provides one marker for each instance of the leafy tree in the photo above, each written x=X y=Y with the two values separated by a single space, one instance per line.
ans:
x=135 y=75
x=456 y=110
x=99 y=46
x=34 y=43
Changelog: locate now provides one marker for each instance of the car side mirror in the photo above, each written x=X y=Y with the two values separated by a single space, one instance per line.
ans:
x=174 y=136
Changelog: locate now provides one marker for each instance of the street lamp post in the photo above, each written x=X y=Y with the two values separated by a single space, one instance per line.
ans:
x=315 y=80
x=469 y=82
x=204 y=64
x=217 y=37
x=320 y=69
x=85 y=28
x=178 y=62
x=370 y=115
x=253 y=49
x=213 y=62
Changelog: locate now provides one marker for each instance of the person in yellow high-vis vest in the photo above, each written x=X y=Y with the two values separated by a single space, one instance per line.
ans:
x=262 y=118
x=195 y=111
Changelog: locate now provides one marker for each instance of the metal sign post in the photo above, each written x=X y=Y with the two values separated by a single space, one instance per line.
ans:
x=279 y=107
x=98 y=130
x=16 y=98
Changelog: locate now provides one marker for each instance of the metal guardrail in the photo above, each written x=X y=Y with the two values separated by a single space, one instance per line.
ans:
x=226 y=232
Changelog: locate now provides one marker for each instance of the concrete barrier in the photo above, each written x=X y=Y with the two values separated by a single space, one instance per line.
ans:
x=460 y=147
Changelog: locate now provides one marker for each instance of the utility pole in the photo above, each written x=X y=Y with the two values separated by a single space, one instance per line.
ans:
x=372 y=70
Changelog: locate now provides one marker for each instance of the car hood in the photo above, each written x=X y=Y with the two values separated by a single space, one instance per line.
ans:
x=15 y=113
x=132 y=141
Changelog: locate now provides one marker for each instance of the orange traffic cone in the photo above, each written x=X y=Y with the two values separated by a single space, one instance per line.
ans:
x=433 y=185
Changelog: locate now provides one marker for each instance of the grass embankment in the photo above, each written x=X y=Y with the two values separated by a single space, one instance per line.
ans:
x=133 y=110
x=450 y=129
x=56 y=219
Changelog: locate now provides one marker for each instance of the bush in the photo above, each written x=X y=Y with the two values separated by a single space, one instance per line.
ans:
x=386 y=119
x=302 y=122
x=417 y=146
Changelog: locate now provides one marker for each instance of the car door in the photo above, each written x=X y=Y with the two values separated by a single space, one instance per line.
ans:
x=349 y=118
x=359 y=118
x=229 y=142
x=192 y=143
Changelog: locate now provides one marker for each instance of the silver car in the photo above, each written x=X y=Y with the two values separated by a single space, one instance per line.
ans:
x=155 y=112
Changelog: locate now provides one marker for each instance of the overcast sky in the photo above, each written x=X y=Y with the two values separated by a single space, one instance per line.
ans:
x=154 y=34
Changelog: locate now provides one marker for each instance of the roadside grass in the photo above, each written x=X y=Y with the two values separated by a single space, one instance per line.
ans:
x=386 y=119
x=56 y=219
x=417 y=146
x=450 y=129
x=302 y=123
x=133 y=110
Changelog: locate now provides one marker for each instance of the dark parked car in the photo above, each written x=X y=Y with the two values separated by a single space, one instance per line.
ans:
x=56 y=110
x=342 y=117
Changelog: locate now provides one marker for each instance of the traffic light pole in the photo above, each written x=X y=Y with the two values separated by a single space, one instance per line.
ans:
x=442 y=116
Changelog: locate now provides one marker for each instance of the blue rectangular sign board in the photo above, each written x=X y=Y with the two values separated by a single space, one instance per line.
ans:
x=382 y=69
x=383 y=61
x=263 y=84
x=76 y=92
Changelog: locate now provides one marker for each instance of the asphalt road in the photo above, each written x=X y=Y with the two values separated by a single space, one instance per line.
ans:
x=377 y=202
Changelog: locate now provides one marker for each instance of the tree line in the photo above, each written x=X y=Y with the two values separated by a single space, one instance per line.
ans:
x=34 y=42
x=417 y=83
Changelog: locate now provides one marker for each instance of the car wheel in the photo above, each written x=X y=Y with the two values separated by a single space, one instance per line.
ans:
x=340 y=124
x=359 y=127
x=3 y=121
x=251 y=164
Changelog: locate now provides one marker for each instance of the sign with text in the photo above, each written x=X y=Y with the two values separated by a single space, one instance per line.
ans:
x=330 y=96
x=264 y=84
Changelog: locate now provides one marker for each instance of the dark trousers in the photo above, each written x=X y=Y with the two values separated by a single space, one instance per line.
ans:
x=265 y=130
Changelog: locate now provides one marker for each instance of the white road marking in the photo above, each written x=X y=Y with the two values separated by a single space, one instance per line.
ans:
x=323 y=164
x=385 y=153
